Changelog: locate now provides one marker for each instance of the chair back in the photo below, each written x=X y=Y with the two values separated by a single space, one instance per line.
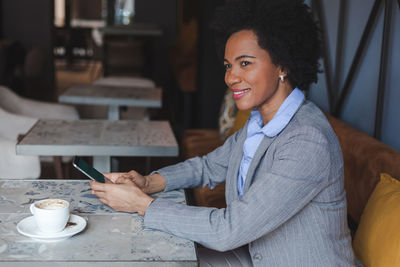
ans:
x=364 y=158
x=8 y=100
x=14 y=125
x=13 y=166
x=13 y=103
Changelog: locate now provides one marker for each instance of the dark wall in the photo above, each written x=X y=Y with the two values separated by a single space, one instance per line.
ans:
x=211 y=85
x=30 y=24
x=163 y=13
x=371 y=104
x=1 y=20
x=86 y=9
x=27 y=21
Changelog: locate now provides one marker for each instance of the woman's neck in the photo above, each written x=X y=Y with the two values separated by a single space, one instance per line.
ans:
x=269 y=108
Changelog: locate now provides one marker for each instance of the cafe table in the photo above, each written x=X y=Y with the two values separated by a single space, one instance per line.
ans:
x=136 y=29
x=112 y=96
x=110 y=238
x=99 y=139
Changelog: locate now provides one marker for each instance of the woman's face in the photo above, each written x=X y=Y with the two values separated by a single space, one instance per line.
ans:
x=251 y=76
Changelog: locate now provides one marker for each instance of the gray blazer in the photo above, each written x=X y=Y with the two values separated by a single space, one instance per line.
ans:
x=293 y=209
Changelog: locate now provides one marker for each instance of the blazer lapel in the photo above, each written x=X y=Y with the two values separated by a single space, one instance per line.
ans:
x=260 y=152
x=234 y=164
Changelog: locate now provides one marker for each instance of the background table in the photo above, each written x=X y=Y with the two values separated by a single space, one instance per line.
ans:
x=100 y=139
x=113 y=97
x=110 y=238
x=136 y=29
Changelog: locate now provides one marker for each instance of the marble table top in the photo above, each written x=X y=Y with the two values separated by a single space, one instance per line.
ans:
x=110 y=237
x=112 y=95
x=99 y=138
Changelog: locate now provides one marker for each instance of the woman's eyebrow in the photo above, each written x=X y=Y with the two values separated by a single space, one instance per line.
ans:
x=240 y=57
x=244 y=56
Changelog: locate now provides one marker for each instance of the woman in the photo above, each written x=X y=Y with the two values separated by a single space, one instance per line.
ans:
x=286 y=204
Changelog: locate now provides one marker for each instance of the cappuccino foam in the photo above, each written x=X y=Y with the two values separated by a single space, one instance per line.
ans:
x=52 y=204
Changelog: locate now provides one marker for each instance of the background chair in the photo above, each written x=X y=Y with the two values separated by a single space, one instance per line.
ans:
x=16 y=104
x=12 y=103
x=14 y=166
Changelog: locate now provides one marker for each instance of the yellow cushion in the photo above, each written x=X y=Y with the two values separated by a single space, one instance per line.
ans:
x=227 y=115
x=231 y=118
x=377 y=240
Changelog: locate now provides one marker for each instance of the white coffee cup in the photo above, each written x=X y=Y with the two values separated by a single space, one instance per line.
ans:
x=51 y=215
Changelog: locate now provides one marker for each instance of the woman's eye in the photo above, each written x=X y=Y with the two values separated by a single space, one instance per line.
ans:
x=245 y=63
x=227 y=66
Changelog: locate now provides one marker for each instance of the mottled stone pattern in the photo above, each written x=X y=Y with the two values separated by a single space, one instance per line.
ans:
x=91 y=133
x=109 y=236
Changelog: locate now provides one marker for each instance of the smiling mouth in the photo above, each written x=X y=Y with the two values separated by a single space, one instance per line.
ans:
x=239 y=93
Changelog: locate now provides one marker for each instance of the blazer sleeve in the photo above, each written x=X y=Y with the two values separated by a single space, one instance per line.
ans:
x=299 y=172
x=200 y=171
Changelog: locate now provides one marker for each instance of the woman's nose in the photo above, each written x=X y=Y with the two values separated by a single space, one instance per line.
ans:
x=231 y=78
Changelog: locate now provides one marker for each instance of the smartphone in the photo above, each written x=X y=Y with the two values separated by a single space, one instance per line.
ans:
x=88 y=170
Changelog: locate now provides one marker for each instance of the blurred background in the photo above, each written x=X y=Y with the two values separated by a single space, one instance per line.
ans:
x=48 y=45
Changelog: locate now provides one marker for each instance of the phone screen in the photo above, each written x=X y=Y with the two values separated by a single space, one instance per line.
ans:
x=88 y=170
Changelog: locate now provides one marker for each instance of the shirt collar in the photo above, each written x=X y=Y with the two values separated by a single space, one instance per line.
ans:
x=285 y=113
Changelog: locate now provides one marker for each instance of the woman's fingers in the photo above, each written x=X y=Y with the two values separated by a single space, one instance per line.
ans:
x=126 y=177
x=124 y=195
x=100 y=194
x=123 y=180
x=113 y=176
x=97 y=186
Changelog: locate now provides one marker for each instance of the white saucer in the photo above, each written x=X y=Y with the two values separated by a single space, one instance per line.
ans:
x=29 y=228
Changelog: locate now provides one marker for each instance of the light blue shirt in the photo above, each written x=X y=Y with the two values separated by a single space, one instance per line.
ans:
x=256 y=131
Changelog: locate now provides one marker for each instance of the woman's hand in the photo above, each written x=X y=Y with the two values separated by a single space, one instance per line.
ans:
x=124 y=195
x=149 y=184
x=118 y=177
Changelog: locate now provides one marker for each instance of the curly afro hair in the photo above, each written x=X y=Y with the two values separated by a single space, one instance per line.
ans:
x=284 y=28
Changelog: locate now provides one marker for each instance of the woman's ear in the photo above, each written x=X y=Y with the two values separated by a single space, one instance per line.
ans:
x=283 y=71
x=282 y=74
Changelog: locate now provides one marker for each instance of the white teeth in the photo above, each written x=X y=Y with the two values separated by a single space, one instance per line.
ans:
x=241 y=92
